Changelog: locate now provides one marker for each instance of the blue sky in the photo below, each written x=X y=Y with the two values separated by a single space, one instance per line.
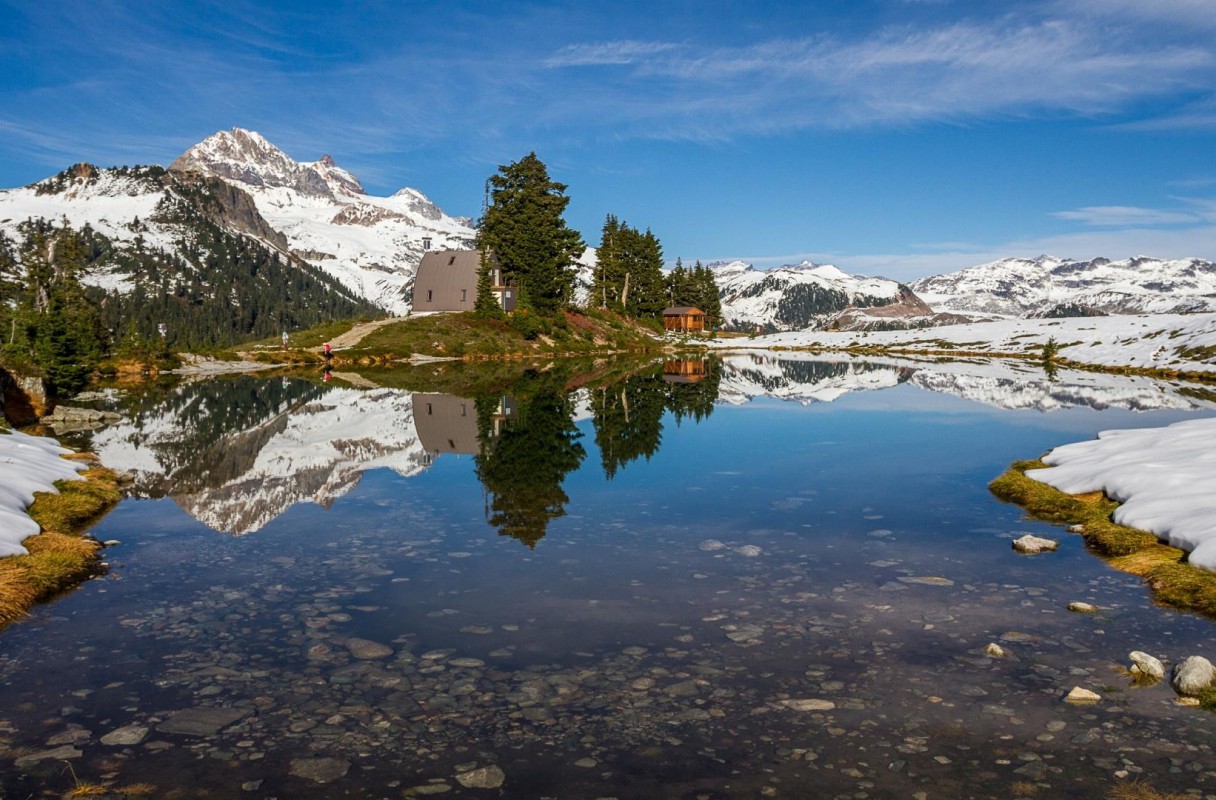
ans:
x=894 y=137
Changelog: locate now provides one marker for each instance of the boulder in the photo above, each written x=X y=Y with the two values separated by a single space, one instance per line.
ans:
x=1144 y=665
x=1192 y=675
x=1079 y=695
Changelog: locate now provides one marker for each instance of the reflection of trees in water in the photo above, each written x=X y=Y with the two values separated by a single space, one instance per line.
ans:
x=628 y=415
x=523 y=466
x=219 y=425
x=525 y=457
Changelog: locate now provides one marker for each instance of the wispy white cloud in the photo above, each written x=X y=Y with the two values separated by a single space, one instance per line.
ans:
x=957 y=72
x=602 y=53
x=1125 y=215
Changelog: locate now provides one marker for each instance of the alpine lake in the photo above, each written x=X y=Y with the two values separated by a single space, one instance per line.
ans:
x=760 y=575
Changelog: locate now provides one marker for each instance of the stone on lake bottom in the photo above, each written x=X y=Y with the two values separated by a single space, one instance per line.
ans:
x=321 y=770
x=749 y=550
x=927 y=580
x=710 y=545
x=130 y=734
x=57 y=754
x=202 y=721
x=1032 y=544
x=1079 y=695
x=1147 y=666
x=482 y=778
x=809 y=704
x=1082 y=608
x=367 y=650
x=995 y=651
x=1192 y=675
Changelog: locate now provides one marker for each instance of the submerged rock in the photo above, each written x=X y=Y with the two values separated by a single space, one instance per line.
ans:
x=130 y=734
x=482 y=778
x=367 y=650
x=995 y=651
x=809 y=704
x=1083 y=608
x=1192 y=675
x=321 y=770
x=1032 y=544
x=202 y=721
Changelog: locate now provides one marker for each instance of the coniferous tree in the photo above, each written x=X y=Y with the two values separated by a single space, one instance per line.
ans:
x=523 y=226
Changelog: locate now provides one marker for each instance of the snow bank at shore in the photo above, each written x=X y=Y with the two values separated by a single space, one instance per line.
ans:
x=1165 y=479
x=28 y=464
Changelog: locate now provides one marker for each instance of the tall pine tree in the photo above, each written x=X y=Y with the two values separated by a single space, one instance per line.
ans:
x=523 y=226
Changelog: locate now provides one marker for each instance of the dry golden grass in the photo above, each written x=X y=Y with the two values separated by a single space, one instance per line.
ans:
x=1173 y=582
x=60 y=556
x=1136 y=790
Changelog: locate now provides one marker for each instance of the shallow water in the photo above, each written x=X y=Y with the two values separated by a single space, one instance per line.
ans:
x=625 y=589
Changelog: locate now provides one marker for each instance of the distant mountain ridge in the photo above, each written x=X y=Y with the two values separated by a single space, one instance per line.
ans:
x=1017 y=287
x=808 y=295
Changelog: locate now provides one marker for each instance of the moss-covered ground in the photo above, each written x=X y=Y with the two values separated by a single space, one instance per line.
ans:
x=61 y=556
x=1173 y=582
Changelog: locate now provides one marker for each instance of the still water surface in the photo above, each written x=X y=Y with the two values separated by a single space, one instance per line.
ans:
x=749 y=578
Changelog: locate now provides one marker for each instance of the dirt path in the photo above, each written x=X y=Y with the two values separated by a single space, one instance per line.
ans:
x=356 y=334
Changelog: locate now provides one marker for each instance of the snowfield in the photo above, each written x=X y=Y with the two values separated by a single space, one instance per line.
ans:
x=28 y=464
x=1162 y=341
x=1165 y=479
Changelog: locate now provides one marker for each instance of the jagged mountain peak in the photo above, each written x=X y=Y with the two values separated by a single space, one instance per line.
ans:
x=248 y=157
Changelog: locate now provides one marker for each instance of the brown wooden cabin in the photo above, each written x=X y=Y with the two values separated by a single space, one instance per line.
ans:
x=683 y=319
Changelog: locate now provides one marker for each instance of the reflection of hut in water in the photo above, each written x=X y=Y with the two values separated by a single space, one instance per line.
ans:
x=448 y=424
x=445 y=424
x=684 y=371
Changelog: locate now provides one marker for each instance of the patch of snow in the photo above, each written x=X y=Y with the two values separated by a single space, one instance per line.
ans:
x=28 y=464
x=1165 y=479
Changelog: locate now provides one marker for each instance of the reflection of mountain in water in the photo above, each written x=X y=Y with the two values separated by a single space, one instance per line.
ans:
x=1002 y=384
x=1040 y=393
x=236 y=454
x=754 y=375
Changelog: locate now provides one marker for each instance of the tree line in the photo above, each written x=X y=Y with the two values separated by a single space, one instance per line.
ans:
x=524 y=228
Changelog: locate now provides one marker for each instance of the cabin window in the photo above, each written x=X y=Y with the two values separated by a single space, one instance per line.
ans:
x=464 y=295
x=429 y=293
x=451 y=260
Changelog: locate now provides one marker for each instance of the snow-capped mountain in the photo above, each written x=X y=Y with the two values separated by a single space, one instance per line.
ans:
x=186 y=249
x=1016 y=287
x=807 y=295
x=370 y=244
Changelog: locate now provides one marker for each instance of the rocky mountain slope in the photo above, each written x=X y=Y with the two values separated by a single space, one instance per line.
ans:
x=372 y=245
x=813 y=296
x=184 y=249
x=312 y=218
x=1049 y=286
